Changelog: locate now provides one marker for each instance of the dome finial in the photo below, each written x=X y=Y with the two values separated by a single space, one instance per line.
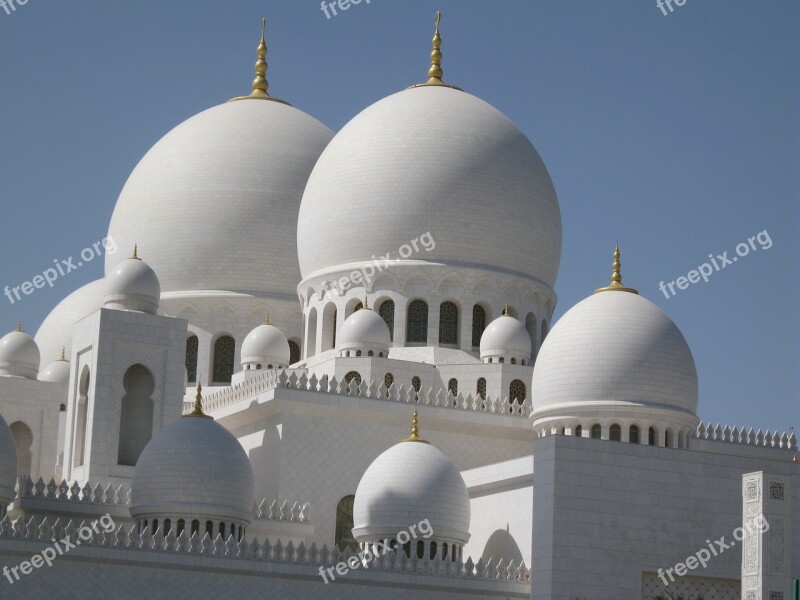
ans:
x=135 y=255
x=505 y=310
x=62 y=355
x=616 y=278
x=366 y=302
x=435 y=71
x=266 y=318
x=19 y=325
x=414 y=437
x=260 y=84
x=198 y=404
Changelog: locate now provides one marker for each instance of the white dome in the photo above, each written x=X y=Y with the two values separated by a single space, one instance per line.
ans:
x=57 y=371
x=411 y=482
x=214 y=203
x=132 y=285
x=19 y=355
x=55 y=331
x=364 y=329
x=193 y=468
x=8 y=464
x=506 y=337
x=614 y=349
x=266 y=344
x=438 y=160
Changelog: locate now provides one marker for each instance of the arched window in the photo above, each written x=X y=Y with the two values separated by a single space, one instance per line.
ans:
x=192 y=346
x=416 y=383
x=448 y=323
x=433 y=550
x=222 y=529
x=578 y=431
x=311 y=333
x=294 y=352
x=386 y=312
x=530 y=325
x=136 y=418
x=388 y=380
x=417 y=323
x=516 y=391
x=452 y=386
x=481 y=388
x=544 y=331
x=62 y=408
x=615 y=433
x=335 y=324
x=651 y=437
x=344 y=524
x=224 y=352
x=23 y=440
x=478 y=324
x=167 y=527
x=597 y=432
x=668 y=438
x=81 y=420
x=420 y=549
x=181 y=527
x=328 y=328
x=353 y=375
x=209 y=528
x=195 y=527
x=155 y=526
x=633 y=434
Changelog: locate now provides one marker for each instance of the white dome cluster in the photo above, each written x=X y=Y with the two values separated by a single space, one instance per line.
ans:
x=132 y=285
x=194 y=469
x=364 y=333
x=506 y=340
x=19 y=355
x=8 y=466
x=409 y=483
x=265 y=347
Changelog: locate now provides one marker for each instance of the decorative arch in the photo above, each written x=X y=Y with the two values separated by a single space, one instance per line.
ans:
x=136 y=418
x=81 y=419
x=192 y=350
x=294 y=351
x=23 y=440
x=386 y=312
x=544 y=330
x=344 y=524
x=478 y=324
x=417 y=322
x=224 y=357
x=615 y=433
x=328 y=336
x=531 y=326
x=353 y=375
x=517 y=391
x=311 y=333
x=597 y=431
x=448 y=323
x=480 y=388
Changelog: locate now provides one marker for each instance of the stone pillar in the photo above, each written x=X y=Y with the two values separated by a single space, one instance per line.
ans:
x=767 y=524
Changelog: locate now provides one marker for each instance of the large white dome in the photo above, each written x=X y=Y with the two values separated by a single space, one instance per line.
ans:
x=55 y=331
x=431 y=159
x=215 y=201
x=407 y=484
x=8 y=464
x=614 y=348
x=193 y=467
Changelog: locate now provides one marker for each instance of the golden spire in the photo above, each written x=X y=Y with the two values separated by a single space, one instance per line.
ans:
x=19 y=325
x=260 y=84
x=135 y=255
x=198 y=404
x=505 y=310
x=414 y=437
x=266 y=319
x=616 y=278
x=366 y=302
x=62 y=356
x=435 y=71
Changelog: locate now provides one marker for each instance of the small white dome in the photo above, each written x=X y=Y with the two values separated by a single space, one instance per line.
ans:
x=19 y=355
x=614 y=349
x=193 y=468
x=57 y=371
x=407 y=484
x=132 y=285
x=8 y=464
x=506 y=337
x=364 y=330
x=265 y=345
x=55 y=331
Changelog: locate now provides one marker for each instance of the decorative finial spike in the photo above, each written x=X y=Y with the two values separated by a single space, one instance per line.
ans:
x=260 y=84
x=616 y=277
x=198 y=404
x=366 y=302
x=19 y=325
x=135 y=255
x=435 y=70
x=414 y=437
x=505 y=310
x=62 y=355
x=266 y=319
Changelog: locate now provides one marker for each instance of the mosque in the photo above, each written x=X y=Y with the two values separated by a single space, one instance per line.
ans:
x=341 y=379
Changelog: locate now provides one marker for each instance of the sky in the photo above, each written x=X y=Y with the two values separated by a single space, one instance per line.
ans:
x=675 y=135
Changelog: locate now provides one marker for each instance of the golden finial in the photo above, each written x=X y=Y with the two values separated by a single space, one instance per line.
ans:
x=266 y=319
x=616 y=278
x=505 y=310
x=435 y=71
x=135 y=255
x=198 y=404
x=62 y=355
x=260 y=84
x=19 y=325
x=366 y=302
x=414 y=437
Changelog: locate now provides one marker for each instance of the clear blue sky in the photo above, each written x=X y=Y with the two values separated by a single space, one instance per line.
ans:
x=676 y=136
